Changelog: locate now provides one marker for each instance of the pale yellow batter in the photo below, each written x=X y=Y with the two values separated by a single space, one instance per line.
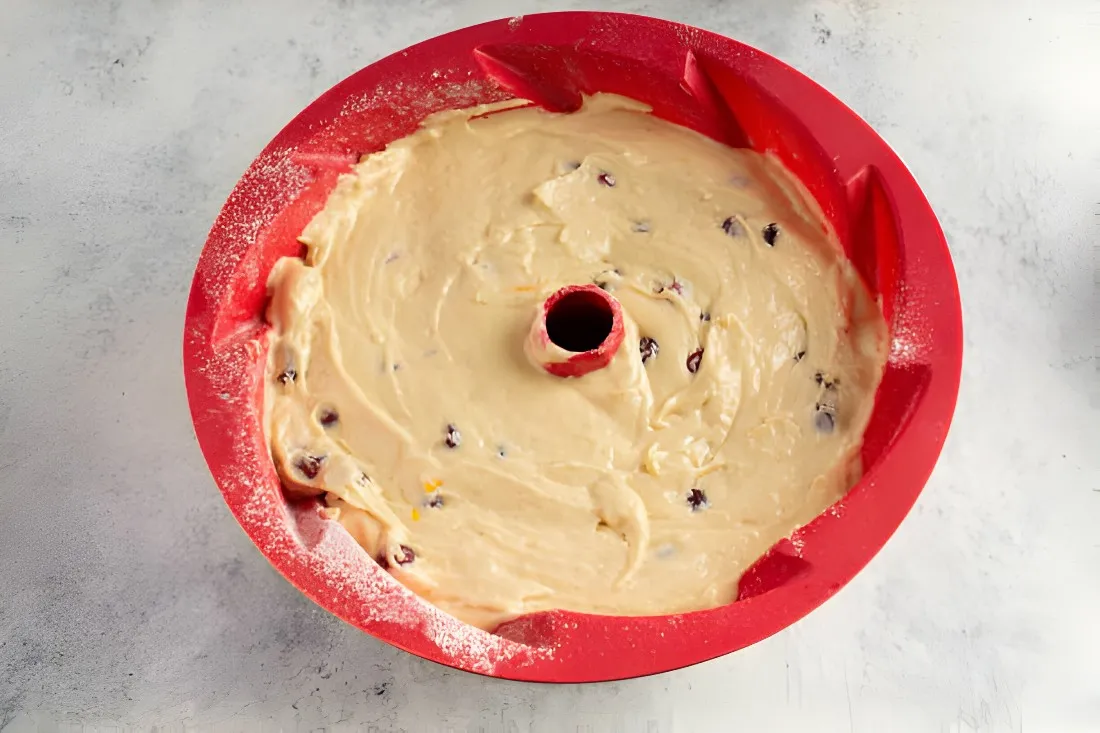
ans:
x=399 y=382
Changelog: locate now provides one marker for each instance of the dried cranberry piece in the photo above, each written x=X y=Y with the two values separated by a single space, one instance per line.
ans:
x=453 y=438
x=605 y=279
x=824 y=418
x=309 y=465
x=704 y=316
x=732 y=227
x=328 y=417
x=407 y=555
x=697 y=500
x=606 y=179
x=648 y=348
x=435 y=500
x=770 y=232
x=288 y=375
x=800 y=356
x=694 y=359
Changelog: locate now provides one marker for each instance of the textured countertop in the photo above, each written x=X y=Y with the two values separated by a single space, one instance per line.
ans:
x=129 y=598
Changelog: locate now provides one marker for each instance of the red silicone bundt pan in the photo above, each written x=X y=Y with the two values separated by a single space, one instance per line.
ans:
x=712 y=84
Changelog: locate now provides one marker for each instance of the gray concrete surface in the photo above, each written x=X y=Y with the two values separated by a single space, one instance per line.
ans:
x=129 y=598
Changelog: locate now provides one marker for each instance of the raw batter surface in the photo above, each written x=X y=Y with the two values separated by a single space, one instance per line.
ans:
x=399 y=386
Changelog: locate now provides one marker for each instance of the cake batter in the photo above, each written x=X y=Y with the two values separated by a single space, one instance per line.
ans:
x=400 y=389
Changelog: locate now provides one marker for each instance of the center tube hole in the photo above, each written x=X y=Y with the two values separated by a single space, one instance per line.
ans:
x=579 y=321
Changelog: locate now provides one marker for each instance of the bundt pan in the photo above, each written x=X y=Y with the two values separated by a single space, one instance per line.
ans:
x=717 y=86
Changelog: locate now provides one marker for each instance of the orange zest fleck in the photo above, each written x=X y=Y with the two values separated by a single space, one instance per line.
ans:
x=525 y=288
x=416 y=514
x=430 y=486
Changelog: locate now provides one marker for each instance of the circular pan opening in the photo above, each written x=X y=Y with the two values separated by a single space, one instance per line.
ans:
x=580 y=321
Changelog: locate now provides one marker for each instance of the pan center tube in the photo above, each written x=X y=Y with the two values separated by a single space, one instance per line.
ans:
x=576 y=331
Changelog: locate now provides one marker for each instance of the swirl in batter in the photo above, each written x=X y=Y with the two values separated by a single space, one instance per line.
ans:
x=399 y=386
